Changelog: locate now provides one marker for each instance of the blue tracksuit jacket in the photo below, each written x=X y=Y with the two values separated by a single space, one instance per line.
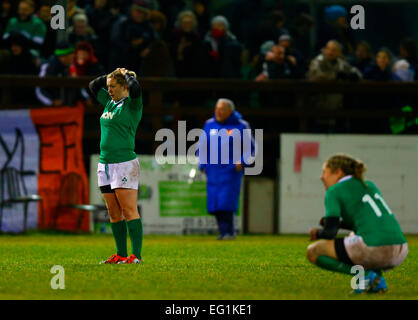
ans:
x=223 y=181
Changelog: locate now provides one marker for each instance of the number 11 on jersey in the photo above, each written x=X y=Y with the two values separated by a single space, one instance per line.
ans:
x=367 y=198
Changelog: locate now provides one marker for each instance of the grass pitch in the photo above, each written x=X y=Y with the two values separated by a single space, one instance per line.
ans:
x=182 y=267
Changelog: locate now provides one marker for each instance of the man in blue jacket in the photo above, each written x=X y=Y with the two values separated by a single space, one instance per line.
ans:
x=224 y=151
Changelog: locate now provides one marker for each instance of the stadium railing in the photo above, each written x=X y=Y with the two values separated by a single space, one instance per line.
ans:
x=166 y=102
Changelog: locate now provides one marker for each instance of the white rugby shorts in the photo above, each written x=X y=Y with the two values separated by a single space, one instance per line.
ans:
x=379 y=257
x=119 y=175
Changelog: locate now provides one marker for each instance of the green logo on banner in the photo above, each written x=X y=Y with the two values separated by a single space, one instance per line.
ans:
x=184 y=199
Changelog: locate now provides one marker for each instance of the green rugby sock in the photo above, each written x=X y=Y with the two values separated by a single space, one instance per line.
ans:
x=135 y=233
x=331 y=264
x=120 y=234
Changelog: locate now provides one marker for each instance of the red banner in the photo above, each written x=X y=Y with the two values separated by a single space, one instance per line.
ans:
x=62 y=178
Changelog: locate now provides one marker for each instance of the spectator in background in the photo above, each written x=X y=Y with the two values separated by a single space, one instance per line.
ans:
x=101 y=20
x=187 y=49
x=73 y=10
x=224 y=176
x=402 y=69
x=409 y=51
x=159 y=23
x=6 y=14
x=48 y=47
x=116 y=7
x=270 y=28
x=25 y=22
x=20 y=62
x=300 y=30
x=224 y=50
x=156 y=58
x=330 y=65
x=259 y=59
x=276 y=66
x=130 y=38
x=363 y=56
x=293 y=55
x=58 y=66
x=381 y=70
x=85 y=62
x=171 y=9
x=336 y=28
x=81 y=31
x=201 y=10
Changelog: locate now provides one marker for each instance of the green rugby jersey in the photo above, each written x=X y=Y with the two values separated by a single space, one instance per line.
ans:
x=118 y=125
x=34 y=28
x=364 y=211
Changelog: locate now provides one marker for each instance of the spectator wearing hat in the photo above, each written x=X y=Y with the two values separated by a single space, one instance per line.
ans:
x=28 y=24
x=85 y=62
x=130 y=38
x=58 y=66
x=336 y=27
x=223 y=49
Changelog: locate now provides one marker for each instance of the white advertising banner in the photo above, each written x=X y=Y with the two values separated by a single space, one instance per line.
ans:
x=172 y=198
x=391 y=162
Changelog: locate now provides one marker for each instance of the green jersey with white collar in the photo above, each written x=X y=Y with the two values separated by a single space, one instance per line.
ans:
x=118 y=124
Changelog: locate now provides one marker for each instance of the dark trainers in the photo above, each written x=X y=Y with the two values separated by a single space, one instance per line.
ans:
x=132 y=259
x=114 y=259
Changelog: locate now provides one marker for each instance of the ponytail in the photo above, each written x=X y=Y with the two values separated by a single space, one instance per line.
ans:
x=348 y=165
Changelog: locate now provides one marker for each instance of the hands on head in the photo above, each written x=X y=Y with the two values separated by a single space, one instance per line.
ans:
x=123 y=71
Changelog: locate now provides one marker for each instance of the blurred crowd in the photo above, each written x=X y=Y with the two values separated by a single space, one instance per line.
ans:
x=181 y=38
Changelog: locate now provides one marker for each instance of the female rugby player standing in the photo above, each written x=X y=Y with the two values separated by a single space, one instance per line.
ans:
x=377 y=244
x=118 y=168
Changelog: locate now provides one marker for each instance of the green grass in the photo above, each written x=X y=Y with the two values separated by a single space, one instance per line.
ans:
x=182 y=267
